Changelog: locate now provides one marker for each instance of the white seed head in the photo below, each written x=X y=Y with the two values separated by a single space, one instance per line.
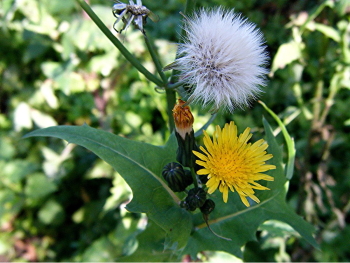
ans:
x=223 y=57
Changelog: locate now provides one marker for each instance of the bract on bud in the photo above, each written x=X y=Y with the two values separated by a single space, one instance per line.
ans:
x=208 y=207
x=183 y=118
x=195 y=199
x=177 y=178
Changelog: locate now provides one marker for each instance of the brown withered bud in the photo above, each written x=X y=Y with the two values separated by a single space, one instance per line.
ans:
x=183 y=119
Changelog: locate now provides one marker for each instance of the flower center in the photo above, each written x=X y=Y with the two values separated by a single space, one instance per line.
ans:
x=229 y=167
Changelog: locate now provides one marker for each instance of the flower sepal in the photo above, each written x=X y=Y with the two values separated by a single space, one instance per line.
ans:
x=208 y=207
x=184 y=154
x=177 y=178
x=195 y=199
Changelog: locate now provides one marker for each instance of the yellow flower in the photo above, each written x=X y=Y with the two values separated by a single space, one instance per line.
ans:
x=232 y=163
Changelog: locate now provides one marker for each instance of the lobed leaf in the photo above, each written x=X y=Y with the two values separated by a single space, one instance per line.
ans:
x=140 y=164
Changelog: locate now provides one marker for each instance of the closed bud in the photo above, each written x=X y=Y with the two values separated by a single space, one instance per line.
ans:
x=195 y=199
x=177 y=178
x=208 y=207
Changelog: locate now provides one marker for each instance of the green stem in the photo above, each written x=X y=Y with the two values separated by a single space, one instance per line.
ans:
x=289 y=141
x=118 y=44
x=205 y=126
x=194 y=177
x=314 y=13
x=176 y=85
x=171 y=100
x=317 y=104
x=190 y=5
x=154 y=55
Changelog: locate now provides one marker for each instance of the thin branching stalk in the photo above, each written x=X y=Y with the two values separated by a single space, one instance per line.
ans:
x=176 y=85
x=154 y=54
x=135 y=62
x=206 y=125
x=189 y=7
x=289 y=141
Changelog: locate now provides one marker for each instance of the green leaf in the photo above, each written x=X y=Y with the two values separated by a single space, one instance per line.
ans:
x=10 y=204
x=140 y=164
x=39 y=186
x=101 y=250
x=13 y=172
x=51 y=213
x=289 y=141
x=328 y=31
x=286 y=54
x=150 y=247
x=235 y=221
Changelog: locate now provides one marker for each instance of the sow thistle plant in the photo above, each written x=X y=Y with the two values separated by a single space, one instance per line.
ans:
x=221 y=62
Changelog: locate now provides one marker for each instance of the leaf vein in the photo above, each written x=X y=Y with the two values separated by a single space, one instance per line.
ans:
x=220 y=219
x=125 y=155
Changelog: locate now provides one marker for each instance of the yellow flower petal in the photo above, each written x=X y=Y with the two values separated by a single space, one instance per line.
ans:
x=225 y=194
x=203 y=172
x=255 y=198
x=213 y=184
x=200 y=155
x=244 y=200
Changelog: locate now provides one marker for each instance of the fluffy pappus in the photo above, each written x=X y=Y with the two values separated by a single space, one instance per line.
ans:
x=223 y=58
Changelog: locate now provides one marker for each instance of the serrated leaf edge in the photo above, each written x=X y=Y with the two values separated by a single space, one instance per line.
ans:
x=33 y=133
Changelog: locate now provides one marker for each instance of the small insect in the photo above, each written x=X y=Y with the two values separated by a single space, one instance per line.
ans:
x=132 y=12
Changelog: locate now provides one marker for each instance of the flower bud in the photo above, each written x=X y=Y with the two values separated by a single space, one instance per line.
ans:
x=195 y=199
x=208 y=207
x=183 y=119
x=184 y=134
x=177 y=178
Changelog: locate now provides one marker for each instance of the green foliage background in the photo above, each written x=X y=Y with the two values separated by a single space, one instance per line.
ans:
x=60 y=202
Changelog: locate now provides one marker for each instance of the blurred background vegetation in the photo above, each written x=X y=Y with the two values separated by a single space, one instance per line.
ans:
x=59 y=202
